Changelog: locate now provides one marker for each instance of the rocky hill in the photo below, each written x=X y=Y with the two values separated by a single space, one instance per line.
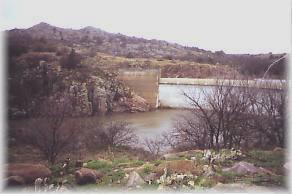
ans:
x=45 y=61
x=97 y=40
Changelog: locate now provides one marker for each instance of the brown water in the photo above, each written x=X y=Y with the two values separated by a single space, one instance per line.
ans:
x=148 y=124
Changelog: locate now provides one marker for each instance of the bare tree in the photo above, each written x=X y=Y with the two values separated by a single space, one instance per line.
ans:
x=154 y=146
x=120 y=134
x=221 y=114
x=113 y=134
x=48 y=132
x=232 y=115
x=269 y=115
x=188 y=133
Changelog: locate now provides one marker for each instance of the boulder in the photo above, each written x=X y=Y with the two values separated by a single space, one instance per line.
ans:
x=14 y=181
x=278 y=149
x=286 y=166
x=135 y=180
x=86 y=175
x=28 y=172
x=244 y=168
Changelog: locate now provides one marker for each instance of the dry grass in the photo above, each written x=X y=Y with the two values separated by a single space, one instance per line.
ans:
x=169 y=68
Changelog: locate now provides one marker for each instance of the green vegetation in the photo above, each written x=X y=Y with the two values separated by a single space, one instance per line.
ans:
x=118 y=168
x=117 y=161
x=129 y=164
x=157 y=162
x=203 y=181
x=272 y=160
x=113 y=177
x=147 y=169
x=103 y=166
x=230 y=177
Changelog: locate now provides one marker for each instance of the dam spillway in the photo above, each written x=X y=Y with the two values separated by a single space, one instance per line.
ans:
x=168 y=92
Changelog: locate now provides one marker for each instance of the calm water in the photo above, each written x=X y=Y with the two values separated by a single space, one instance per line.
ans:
x=154 y=123
x=148 y=124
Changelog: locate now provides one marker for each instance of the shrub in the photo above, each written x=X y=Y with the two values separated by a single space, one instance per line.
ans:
x=49 y=134
x=147 y=169
x=71 y=61
x=113 y=134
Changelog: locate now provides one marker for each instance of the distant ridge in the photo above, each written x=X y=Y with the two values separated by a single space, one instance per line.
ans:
x=117 y=44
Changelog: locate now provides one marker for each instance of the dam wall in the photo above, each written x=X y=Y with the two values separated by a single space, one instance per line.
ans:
x=171 y=90
x=168 y=92
x=144 y=82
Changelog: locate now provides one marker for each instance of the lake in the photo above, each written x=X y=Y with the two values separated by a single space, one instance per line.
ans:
x=148 y=124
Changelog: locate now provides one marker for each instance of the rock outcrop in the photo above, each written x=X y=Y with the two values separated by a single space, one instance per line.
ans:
x=97 y=96
x=88 y=93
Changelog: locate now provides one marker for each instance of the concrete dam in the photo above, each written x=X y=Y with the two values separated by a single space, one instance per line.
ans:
x=168 y=92
x=145 y=83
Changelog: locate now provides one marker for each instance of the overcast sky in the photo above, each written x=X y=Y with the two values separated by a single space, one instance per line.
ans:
x=235 y=26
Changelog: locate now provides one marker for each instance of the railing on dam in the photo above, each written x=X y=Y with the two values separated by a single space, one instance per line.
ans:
x=257 y=83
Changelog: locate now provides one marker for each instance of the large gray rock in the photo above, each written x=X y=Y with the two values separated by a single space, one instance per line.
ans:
x=28 y=172
x=135 y=180
x=86 y=175
x=286 y=166
x=243 y=167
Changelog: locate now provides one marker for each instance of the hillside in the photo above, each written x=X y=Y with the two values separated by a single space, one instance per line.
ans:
x=92 y=40
x=46 y=61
